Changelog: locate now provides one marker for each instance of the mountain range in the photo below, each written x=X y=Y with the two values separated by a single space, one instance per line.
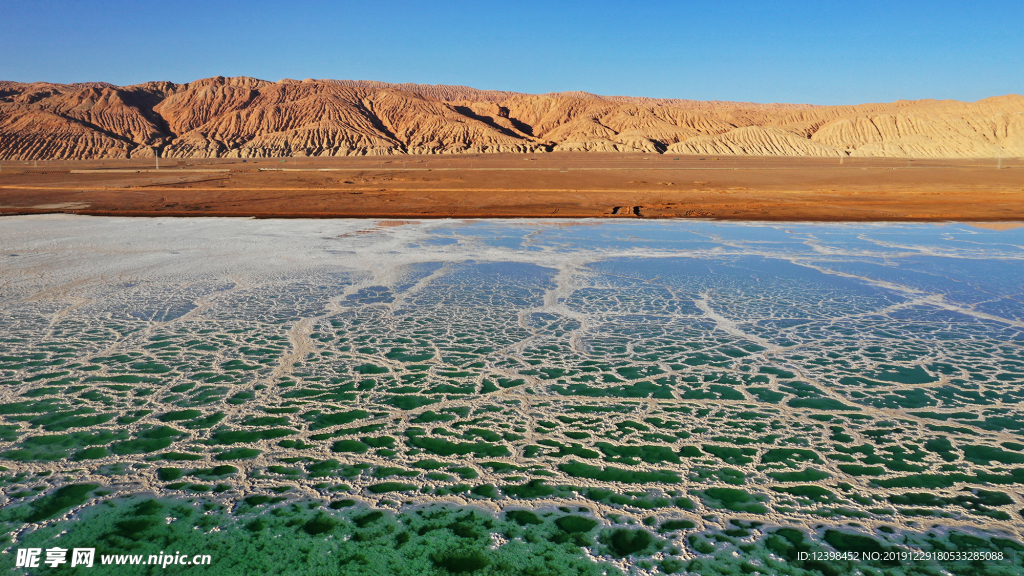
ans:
x=249 y=118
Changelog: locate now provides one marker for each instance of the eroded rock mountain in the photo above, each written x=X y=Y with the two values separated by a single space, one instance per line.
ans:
x=251 y=118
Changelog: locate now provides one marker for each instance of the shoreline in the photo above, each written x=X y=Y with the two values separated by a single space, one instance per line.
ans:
x=1003 y=223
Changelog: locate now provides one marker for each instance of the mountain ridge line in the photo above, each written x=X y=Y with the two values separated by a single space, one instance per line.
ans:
x=242 y=117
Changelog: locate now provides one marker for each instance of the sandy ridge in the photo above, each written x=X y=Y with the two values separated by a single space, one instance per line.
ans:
x=251 y=118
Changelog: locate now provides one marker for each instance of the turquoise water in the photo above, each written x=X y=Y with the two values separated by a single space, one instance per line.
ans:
x=561 y=396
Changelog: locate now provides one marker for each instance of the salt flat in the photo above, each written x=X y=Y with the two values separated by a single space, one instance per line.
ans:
x=711 y=385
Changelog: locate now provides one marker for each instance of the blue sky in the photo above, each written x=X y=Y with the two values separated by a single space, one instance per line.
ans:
x=823 y=52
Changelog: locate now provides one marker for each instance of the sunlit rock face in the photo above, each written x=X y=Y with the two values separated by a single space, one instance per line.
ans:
x=250 y=118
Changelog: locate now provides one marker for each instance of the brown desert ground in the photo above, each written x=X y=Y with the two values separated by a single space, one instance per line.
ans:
x=558 y=184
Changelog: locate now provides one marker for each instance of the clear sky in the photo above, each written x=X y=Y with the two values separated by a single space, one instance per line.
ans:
x=820 y=52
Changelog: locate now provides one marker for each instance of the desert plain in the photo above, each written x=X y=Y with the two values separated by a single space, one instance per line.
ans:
x=558 y=184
